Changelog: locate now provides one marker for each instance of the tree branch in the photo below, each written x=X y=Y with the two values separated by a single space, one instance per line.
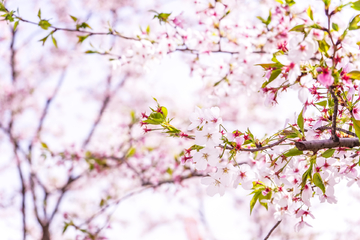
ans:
x=48 y=102
x=334 y=137
x=112 y=33
x=259 y=148
x=338 y=129
x=315 y=145
x=272 y=229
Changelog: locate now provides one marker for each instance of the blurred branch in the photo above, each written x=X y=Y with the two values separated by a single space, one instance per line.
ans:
x=272 y=229
x=48 y=102
x=108 y=96
x=144 y=186
x=112 y=33
x=12 y=56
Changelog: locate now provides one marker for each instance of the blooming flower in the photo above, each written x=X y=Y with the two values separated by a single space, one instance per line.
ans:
x=301 y=225
x=214 y=185
x=197 y=119
x=208 y=136
x=325 y=77
x=204 y=157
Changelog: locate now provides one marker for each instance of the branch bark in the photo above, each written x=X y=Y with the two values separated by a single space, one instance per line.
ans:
x=315 y=145
x=334 y=137
x=273 y=228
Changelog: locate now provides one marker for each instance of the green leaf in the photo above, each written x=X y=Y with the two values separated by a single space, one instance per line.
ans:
x=267 y=197
x=15 y=25
x=82 y=38
x=356 y=5
x=44 y=145
x=9 y=16
x=254 y=199
x=328 y=153
x=43 y=40
x=267 y=21
x=164 y=111
x=356 y=124
x=290 y=2
x=319 y=182
x=73 y=18
x=354 y=74
x=163 y=17
x=293 y=152
x=307 y=175
x=315 y=26
x=169 y=171
x=148 y=30
x=44 y=24
x=91 y=51
x=298 y=28
x=54 y=41
x=250 y=134
x=300 y=121
x=133 y=117
x=131 y=152
x=335 y=26
x=2 y=7
x=280 y=1
x=324 y=47
x=196 y=147
x=353 y=25
x=65 y=227
x=322 y=103
x=102 y=202
x=39 y=14
x=266 y=66
x=155 y=118
x=327 y=3
x=309 y=12
x=82 y=25
x=274 y=74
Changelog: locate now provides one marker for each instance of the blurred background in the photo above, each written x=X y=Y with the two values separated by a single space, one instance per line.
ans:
x=75 y=162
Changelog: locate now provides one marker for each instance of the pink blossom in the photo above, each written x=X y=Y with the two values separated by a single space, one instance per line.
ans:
x=301 y=225
x=325 y=78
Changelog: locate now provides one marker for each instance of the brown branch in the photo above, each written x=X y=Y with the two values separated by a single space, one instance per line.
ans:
x=338 y=129
x=63 y=190
x=272 y=229
x=101 y=112
x=112 y=33
x=259 y=148
x=23 y=190
x=104 y=105
x=191 y=175
x=144 y=186
x=48 y=102
x=315 y=145
x=13 y=139
x=195 y=51
x=32 y=187
x=12 y=56
x=334 y=137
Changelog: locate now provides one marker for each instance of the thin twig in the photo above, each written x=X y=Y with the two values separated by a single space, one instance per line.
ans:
x=259 y=148
x=334 y=137
x=112 y=33
x=273 y=228
x=338 y=129
x=48 y=102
